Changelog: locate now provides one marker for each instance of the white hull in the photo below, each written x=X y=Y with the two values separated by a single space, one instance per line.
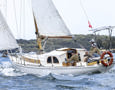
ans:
x=36 y=70
x=39 y=64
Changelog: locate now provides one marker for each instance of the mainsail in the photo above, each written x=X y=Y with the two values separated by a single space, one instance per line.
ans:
x=7 y=41
x=48 y=20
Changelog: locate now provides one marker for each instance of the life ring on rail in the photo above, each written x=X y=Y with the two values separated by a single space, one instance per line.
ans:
x=110 y=61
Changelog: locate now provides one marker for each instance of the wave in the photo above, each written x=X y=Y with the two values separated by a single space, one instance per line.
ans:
x=6 y=69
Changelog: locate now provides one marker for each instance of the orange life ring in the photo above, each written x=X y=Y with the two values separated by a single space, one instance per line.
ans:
x=111 y=60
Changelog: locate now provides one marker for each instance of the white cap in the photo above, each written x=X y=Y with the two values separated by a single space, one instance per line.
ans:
x=92 y=40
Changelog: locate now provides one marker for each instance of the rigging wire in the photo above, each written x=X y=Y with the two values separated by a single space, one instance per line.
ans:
x=82 y=6
x=24 y=17
x=15 y=16
x=84 y=10
x=87 y=17
x=21 y=4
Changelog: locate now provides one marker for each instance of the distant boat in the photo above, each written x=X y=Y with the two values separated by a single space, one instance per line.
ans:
x=4 y=54
x=49 y=24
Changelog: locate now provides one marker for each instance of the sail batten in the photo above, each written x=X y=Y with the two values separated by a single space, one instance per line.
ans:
x=7 y=41
x=48 y=20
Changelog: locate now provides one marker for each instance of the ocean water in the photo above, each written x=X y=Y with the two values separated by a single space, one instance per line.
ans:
x=13 y=80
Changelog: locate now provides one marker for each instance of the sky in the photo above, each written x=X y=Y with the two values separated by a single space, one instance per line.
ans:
x=98 y=12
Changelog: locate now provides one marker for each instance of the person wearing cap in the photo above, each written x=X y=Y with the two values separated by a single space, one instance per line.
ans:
x=94 y=48
x=74 y=57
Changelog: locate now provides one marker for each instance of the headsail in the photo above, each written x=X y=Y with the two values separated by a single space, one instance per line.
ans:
x=3 y=7
x=48 y=20
x=7 y=41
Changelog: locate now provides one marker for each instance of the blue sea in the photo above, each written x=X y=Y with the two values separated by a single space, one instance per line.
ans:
x=15 y=80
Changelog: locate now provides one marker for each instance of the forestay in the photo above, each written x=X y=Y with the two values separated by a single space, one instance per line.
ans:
x=7 y=41
x=48 y=19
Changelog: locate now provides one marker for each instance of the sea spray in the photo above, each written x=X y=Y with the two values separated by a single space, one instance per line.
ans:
x=7 y=69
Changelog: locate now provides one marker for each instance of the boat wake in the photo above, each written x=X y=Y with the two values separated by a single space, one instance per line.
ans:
x=6 y=69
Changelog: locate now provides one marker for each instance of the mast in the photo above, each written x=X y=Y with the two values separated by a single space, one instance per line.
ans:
x=38 y=36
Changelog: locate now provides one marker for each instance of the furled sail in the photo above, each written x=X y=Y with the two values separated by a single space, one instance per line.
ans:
x=48 y=19
x=7 y=41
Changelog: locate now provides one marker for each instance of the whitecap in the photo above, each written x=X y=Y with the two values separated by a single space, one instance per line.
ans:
x=6 y=69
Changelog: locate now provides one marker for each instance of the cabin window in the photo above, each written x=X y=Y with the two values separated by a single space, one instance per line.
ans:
x=49 y=60
x=55 y=60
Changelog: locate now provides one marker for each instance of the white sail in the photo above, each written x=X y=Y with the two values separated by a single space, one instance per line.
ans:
x=7 y=40
x=3 y=7
x=48 y=19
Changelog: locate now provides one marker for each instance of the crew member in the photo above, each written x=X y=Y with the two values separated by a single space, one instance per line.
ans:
x=86 y=56
x=94 y=48
x=74 y=57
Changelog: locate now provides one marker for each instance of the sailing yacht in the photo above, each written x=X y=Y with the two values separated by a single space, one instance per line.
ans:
x=49 y=24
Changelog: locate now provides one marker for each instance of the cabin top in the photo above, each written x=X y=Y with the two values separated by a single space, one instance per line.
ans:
x=56 y=57
x=65 y=52
x=55 y=53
